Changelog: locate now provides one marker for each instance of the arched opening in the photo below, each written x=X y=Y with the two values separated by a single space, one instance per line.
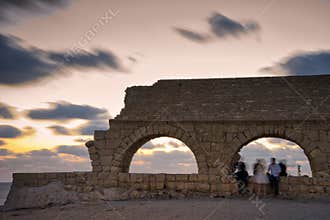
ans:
x=284 y=150
x=163 y=155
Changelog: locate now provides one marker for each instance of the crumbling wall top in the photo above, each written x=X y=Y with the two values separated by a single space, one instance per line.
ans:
x=259 y=98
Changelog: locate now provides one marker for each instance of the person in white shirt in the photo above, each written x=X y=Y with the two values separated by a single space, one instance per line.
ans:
x=275 y=171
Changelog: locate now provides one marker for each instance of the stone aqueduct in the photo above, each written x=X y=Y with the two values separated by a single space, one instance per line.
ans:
x=215 y=118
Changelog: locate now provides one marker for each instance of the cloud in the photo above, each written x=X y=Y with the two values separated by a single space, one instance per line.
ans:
x=81 y=140
x=97 y=59
x=164 y=162
x=60 y=130
x=89 y=127
x=79 y=151
x=65 y=111
x=41 y=153
x=303 y=63
x=223 y=26
x=12 y=11
x=7 y=112
x=149 y=145
x=2 y=143
x=280 y=141
x=192 y=35
x=8 y=131
x=175 y=144
x=86 y=128
x=96 y=118
x=5 y=152
x=28 y=131
x=43 y=160
x=20 y=65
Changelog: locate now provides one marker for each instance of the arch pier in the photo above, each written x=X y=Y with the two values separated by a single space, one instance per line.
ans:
x=215 y=118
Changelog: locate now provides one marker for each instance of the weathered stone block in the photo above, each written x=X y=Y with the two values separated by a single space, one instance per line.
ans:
x=123 y=177
x=193 y=177
x=170 y=177
x=171 y=185
x=180 y=186
x=159 y=185
x=99 y=135
x=203 y=178
x=160 y=177
x=181 y=177
x=136 y=178
x=203 y=187
x=214 y=179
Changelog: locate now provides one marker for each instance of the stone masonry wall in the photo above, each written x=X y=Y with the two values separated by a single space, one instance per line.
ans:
x=41 y=190
x=260 y=99
x=214 y=144
x=215 y=118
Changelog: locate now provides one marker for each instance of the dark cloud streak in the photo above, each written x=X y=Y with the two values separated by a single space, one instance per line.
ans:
x=60 y=130
x=192 y=35
x=89 y=127
x=221 y=27
x=66 y=111
x=7 y=112
x=22 y=65
x=25 y=8
x=8 y=131
x=303 y=63
x=79 y=151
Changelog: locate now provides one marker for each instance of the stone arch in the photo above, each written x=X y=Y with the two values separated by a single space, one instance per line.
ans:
x=313 y=153
x=136 y=139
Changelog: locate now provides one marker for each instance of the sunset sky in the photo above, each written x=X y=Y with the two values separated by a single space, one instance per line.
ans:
x=65 y=65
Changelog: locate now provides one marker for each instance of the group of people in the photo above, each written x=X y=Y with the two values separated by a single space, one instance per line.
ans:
x=261 y=177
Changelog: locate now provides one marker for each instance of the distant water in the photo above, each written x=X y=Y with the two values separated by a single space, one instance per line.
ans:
x=4 y=190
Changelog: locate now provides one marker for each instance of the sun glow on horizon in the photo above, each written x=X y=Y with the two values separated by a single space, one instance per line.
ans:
x=163 y=144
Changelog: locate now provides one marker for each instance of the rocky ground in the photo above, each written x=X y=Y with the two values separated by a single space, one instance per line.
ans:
x=201 y=209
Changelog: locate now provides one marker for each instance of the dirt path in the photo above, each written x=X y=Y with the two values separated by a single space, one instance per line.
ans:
x=194 y=209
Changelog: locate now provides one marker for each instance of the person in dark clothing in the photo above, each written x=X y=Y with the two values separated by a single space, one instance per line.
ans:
x=283 y=168
x=275 y=171
x=242 y=177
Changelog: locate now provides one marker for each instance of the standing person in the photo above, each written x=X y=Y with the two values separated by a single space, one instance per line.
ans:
x=275 y=171
x=260 y=178
x=242 y=177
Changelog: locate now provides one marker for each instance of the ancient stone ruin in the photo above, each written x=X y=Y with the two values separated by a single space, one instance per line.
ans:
x=215 y=118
